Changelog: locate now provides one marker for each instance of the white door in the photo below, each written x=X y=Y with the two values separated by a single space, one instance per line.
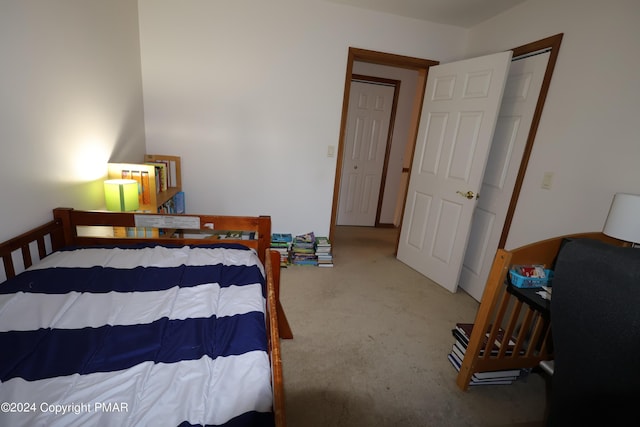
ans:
x=512 y=131
x=367 y=132
x=458 y=117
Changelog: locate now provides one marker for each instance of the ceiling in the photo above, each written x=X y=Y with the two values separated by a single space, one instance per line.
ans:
x=461 y=13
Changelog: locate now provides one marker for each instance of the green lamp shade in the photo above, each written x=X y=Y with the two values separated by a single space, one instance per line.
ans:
x=121 y=195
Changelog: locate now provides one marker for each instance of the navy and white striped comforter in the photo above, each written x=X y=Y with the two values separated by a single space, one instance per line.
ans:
x=147 y=336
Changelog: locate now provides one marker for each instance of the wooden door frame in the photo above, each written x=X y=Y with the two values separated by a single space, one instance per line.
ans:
x=422 y=66
x=380 y=58
x=552 y=43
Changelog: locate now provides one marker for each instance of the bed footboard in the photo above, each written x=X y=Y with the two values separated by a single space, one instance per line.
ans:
x=528 y=325
x=22 y=251
x=500 y=310
x=274 y=319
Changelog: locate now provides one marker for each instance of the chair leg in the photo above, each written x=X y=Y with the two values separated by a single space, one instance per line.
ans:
x=547 y=402
x=546 y=368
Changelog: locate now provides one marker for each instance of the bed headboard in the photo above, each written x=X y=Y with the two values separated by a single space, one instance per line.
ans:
x=22 y=251
x=180 y=226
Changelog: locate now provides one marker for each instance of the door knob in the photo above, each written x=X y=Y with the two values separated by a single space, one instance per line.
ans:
x=469 y=194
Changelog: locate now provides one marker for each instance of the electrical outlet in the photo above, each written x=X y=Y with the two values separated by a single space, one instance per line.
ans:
x=547 y=180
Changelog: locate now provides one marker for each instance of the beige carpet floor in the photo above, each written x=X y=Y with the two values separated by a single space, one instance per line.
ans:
x=371 y=338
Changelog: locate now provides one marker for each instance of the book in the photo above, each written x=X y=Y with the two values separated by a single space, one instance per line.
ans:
x=198 y=234
x=462 y=333
x=173 y=174
x=281 y=242
x=512 y=374
x=323 y=242
x=137 y=176
x=146 y=190
x=323 y=252
x=162 y=173
x=232 y=235
x=306 y=241
x=303 y=250
x=309 y=261
x=156 y=174
x=458 y=352
x=167 y=207
x=475 y=380
x=179 y=202
x=285 y=238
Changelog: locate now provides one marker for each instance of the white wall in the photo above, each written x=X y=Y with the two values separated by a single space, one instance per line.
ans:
x=250 y=94
x=588 y=136
x=238 y=86
x=70 y=98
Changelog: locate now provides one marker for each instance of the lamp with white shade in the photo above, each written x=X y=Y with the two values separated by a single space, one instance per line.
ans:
x=623 y=221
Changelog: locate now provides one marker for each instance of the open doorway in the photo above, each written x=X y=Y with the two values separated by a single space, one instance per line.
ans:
x=397 y=179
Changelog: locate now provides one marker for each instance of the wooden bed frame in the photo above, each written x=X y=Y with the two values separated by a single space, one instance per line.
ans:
x=501 y=309
x=63 y=231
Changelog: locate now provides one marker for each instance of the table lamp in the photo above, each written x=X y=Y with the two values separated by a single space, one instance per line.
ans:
x=623 y=221
x=121 y=195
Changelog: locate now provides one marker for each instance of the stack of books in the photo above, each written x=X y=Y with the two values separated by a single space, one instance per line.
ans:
x=178 y=200
x=323 y=252
x=303 y=250
x=282 y=242
x=462 y=333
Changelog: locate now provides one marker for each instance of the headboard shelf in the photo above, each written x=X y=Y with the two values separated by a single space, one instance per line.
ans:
x=72 y=219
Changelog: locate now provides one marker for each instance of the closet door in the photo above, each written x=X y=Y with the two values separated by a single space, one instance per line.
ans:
x=368 y=120
x=512 y=131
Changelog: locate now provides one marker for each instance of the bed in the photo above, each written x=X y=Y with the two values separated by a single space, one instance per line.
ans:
x=165 y=330
x=527 y=324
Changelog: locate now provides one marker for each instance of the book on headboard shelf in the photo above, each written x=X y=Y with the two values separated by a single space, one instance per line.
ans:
x=155 y=193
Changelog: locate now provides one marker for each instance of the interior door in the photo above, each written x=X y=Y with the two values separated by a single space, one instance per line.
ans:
x=510 y=138
x=367 y=133
x=459 y=113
